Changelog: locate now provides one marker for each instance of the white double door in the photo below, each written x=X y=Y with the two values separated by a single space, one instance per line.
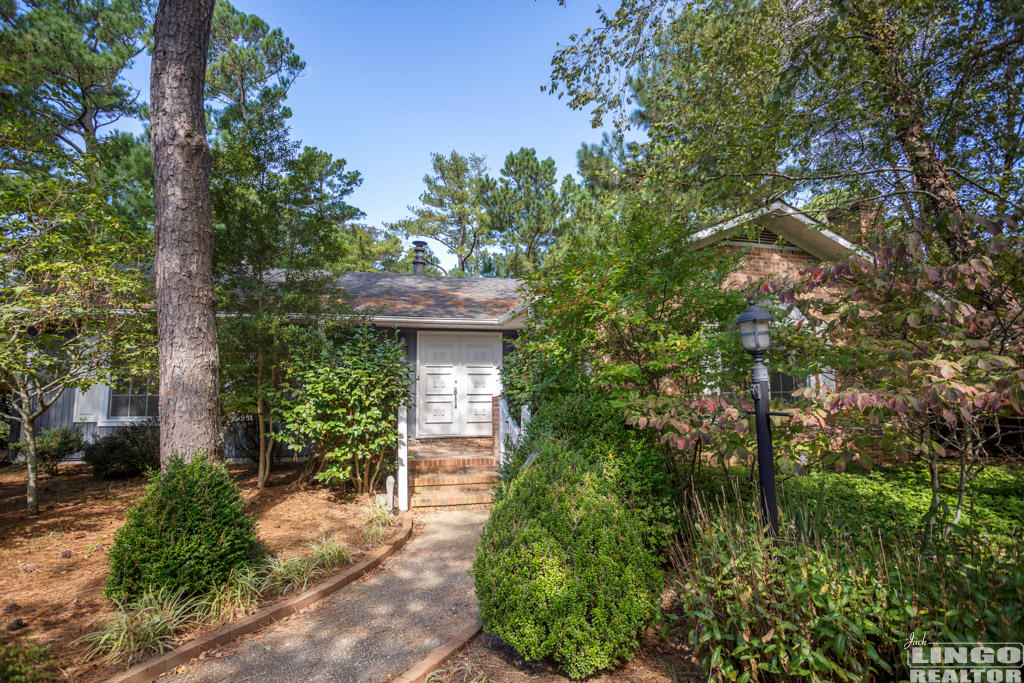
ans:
x=458 y=375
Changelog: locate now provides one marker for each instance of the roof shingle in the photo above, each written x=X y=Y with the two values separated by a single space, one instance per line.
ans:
x=432 y=296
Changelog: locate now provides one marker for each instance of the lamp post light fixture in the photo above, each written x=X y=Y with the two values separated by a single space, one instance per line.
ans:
x=754 y=326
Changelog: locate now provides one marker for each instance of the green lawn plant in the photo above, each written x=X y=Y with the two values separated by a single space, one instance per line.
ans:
x=187 y=533
x=563 y=569
x=130 y=451
x=54 y=445
x=345 y=404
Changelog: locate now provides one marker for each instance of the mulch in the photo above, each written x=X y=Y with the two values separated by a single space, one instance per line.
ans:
x=489 y=660
x=53 y=566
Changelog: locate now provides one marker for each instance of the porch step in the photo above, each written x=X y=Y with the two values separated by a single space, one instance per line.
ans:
x=451 y=495
x=466 y=480
x=452 y=464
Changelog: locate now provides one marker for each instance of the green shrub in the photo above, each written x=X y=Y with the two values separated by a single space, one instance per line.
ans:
x=53 y=445
x=562 y=568
x=833 y=606
x=580 y=419
x=634 y=464
x=128 y=452
x=187 y=533
x=345 y=404
x=23 y=664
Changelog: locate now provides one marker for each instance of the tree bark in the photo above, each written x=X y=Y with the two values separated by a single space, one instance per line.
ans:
x=932 y=177
x=186 y=306
x=32 y=497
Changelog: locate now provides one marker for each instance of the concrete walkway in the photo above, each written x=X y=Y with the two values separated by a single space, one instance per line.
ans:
x=375 y=628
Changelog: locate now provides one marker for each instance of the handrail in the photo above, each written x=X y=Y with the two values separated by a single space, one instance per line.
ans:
x=508 y=429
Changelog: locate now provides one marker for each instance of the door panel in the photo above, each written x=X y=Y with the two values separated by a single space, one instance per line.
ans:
x=480 y=362
x=439 y=371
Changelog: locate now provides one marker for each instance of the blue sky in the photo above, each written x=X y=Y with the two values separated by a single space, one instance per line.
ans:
x=388 y=82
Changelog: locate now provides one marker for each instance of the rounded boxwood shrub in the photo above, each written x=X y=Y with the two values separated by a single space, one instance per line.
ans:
x=186 y=533
x=128 y=452
x=634 y=463
x=562 y=569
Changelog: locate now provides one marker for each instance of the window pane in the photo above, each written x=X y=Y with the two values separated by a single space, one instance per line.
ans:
x=783 y=385
x=153 y=408
x=138 y=406
x=118 y=405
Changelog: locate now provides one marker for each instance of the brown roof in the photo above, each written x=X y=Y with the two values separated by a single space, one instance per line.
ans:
x=432 y=296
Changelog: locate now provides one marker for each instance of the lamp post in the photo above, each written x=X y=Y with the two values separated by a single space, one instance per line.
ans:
x=755 y=335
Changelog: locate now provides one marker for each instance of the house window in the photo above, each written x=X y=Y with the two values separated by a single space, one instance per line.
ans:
x=782 y=385
x=132 y=400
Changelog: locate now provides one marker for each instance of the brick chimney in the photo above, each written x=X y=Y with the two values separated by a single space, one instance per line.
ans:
x=855 y=220
x=419 y=262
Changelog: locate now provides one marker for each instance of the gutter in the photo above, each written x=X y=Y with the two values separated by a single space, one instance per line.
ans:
x=504 y=322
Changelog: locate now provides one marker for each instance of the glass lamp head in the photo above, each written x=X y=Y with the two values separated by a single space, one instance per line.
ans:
x=754 y=325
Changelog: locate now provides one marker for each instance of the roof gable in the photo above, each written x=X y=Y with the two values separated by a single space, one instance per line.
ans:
x=789 y=223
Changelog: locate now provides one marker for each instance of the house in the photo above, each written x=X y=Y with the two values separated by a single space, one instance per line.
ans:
x=457 y=331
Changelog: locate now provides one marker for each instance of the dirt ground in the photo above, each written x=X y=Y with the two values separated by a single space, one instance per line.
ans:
x=53 y=566
x=488 y=660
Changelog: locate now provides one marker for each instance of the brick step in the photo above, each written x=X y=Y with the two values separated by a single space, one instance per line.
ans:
x=465 y=479
x=451 y=496
x=422 y=465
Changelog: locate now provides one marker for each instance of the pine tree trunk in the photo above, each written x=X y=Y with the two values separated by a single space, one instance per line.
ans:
x=189 y=413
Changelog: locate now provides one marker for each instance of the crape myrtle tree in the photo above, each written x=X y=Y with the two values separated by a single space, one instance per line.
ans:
x=914 y=107
x=73 y=288
x=280 y=218
x=186 y=301
x=451 y=209
x=75 y=223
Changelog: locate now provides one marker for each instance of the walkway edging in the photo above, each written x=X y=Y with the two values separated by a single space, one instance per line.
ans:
x=151 y=668
x=419 y=672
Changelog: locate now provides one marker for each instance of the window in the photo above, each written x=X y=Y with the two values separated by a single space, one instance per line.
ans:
x=782 y=385
x=132 y=400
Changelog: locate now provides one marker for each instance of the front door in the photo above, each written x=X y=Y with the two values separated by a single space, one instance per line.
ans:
x=457 y=377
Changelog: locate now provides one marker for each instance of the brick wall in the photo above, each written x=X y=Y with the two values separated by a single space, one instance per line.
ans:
x=761 y=262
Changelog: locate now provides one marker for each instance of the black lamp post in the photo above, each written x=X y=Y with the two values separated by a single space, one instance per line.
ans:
x=755 y=334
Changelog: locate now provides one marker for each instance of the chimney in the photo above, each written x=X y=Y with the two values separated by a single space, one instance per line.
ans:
x=419 y=263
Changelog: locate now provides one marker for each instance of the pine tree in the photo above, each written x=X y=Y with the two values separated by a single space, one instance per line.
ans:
x=452 y=210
